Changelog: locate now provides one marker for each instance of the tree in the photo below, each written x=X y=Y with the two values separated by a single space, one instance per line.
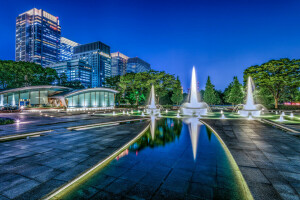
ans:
x=177 y=96
x=20 y=74
x=236 y=94
x=275 y=76
x=63 y=79
x=210 y=96
x=135 y=87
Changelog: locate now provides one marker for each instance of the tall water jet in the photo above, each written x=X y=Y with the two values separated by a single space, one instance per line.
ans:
x=250 y=108
x=152 y=108
x=13 y=102
x=194 y=129
x=1 y=100
x=193 y=107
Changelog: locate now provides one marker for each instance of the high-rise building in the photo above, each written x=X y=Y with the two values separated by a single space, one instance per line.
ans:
x=66 y=48
x=118 y=64
x=37 y=37
x=76 y=70
x=97 y=55
x=136 y=65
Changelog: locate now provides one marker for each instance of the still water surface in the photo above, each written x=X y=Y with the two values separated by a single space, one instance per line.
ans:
x=174 y=159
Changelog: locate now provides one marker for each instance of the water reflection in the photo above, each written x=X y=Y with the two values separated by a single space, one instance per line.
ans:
x=177 y=158
x=194 y=129
x=152 y=126
x=162 y=132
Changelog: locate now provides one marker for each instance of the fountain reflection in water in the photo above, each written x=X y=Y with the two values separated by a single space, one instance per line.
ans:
x=194 y=129
x=193 y=107
x=152 y=126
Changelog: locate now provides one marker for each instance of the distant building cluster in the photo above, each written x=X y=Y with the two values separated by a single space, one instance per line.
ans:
x=39 y=40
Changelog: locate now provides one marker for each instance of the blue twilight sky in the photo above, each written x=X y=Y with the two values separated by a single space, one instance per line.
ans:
x=221 y=38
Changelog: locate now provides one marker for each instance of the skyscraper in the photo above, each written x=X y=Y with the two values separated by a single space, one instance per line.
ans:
x=37 y=37
x=136 y=65
x=76 y=70
x=118 y=64
x=97 y=55
x=66 y=48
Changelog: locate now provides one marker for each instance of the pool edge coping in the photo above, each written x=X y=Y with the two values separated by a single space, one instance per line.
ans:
x=247 y=191
x=84 y=175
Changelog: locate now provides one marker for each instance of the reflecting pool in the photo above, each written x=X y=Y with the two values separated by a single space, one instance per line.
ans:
x=174 y=159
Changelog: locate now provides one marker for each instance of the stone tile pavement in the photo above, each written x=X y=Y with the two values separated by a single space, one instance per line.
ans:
x=31 y=168
x=268 y=158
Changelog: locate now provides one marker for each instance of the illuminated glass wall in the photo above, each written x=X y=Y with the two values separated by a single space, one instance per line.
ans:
x=91 y=99
x=35 y=97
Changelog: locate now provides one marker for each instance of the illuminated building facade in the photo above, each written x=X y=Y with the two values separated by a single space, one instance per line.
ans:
x=37 y=37
x=66 y=48
x=136 y=65
x=118 y=64
x=76 y=70
x=97 y=55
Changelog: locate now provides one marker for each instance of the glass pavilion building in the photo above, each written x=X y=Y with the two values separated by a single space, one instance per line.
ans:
x=57 y=96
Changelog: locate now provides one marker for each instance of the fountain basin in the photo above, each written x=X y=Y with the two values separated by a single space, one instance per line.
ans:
x=246 y=113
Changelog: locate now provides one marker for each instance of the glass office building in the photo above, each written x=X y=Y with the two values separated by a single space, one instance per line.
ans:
x=37 y=37
x=97 y=55
x=66 y=48
x=118 y=64
x=136 y=65
x=56 y=96
x=76 y=70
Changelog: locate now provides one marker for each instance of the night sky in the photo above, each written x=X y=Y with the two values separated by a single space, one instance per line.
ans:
x=221 y=38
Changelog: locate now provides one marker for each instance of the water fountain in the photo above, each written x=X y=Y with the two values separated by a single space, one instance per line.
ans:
x=123 y=112
x=131 y=111
x=152 y=108
x=292 y=115
x=281 y=119
x=283 y=114
x=276 y=112
x=143 y=114
x=250 y=108
x=223 y=116
x=13 y=102
x=178 y=116
x=159 y=115
x=166 y=110
x=114 y=113
x=193 y=106
x=194 y=129
x=1 y=100
x=127 y=113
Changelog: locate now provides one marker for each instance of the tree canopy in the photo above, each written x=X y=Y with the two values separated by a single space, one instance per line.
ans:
x=276 y=77
x=210 y=95
x=21 y=74
x=134 y=88
x=235 y=94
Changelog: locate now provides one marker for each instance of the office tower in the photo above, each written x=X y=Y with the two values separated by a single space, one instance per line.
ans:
x=37 y=37
x=118 y=64
x=66 y=48
x=76 y=70
x=136 y=65
x=97 y=55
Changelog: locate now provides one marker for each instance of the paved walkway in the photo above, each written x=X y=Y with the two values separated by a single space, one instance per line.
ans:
x=268 y=158
x=31 y=168
x=33 y=122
